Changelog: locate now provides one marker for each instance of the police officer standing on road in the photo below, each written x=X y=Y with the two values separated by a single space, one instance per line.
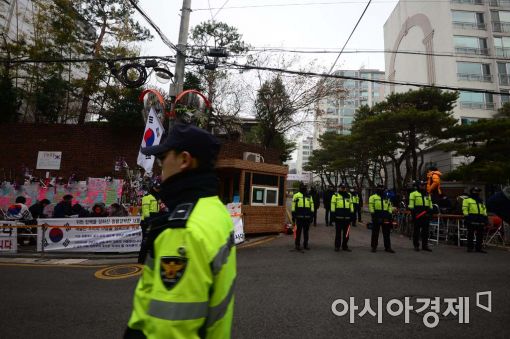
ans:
x=316 y=203
x=342 y=210
x=380 y=209
x=326 y=199
x=187 y=286
x=302 y=215
x=420 y=205
x=475 y=219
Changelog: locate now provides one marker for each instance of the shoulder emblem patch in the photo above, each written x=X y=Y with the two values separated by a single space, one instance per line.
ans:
x=171 y=270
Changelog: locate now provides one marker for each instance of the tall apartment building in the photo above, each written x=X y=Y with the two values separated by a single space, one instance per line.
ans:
x=304 y=150
x=337 y=114
x=475 y=34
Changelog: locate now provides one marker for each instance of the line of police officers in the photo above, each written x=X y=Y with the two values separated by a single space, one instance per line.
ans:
x=345 y=209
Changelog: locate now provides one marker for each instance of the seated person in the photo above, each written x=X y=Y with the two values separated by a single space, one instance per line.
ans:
x=64 y=208
x=37 y=209
x=117 y=210
x=79 y=211
x=98 y=210
x=19 y=211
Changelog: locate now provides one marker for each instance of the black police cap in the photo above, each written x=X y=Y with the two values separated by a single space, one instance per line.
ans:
x=183 y=137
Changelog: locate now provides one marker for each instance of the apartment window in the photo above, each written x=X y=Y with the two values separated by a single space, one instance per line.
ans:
x=468 y=20
x=502 y=45
x=471 y=71
x=347 y=121
x=505 y=98
x=504 y=73
x=475 y=100
x=468 y=121
x=469 y=2
x=501 y=21
x=499 y=3
x=470 y=45
x=347 y=112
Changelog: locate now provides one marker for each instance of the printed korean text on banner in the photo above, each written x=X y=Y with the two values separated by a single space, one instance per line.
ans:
x=151 y=137
x=237 y=218
x=8 y=236
x=115 y=234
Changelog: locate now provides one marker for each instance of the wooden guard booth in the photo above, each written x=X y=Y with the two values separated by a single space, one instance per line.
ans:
x=259 y=186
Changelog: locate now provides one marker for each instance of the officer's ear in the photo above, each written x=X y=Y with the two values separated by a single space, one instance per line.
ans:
x=187 y=161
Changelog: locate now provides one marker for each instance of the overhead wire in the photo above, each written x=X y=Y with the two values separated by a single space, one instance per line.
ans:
x=163 y=37
x=233 y=65
x=349 y=38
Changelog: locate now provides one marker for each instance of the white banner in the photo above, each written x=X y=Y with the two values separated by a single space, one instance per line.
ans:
x=115 y=234
x=237 y=218
x=48 y=160
x=8 y=236
x=151 y=137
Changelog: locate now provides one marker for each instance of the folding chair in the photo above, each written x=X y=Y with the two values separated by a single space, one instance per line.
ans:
x=493 y=232
x=435 y=226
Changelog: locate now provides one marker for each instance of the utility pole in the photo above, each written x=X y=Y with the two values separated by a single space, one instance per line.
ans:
x=178 y=84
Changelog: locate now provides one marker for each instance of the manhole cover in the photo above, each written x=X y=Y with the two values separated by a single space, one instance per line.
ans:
x=119 y=271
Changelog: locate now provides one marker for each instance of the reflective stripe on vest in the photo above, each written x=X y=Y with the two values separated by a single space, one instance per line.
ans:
x=224 y=252
x=218 y=312
x=170 y=310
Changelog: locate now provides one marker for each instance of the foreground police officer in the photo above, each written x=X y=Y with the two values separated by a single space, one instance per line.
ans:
x=302 y=215
x=475 y=219
x=342 y=210
x=420 y=205
x=186 y=289
x=380 y=210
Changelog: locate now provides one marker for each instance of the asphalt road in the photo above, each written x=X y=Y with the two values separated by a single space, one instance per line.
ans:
x=280 y=293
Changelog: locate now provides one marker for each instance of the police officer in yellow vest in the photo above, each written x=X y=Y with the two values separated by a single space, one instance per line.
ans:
x=475 y=219
x=187 y=286
x=380 y=209
x=342 y=210
x=149 y=205
x=302 y=215
x=355 y=199
x=420 y=205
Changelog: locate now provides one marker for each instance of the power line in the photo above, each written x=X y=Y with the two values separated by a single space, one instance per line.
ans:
x=230 y=65
x=360 y=51
x=219 y=10
x=344 y=77
x=349 y=38
x=163 y=37
x=316 y=4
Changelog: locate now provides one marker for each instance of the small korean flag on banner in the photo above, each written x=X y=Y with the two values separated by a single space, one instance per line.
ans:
x=151 y=137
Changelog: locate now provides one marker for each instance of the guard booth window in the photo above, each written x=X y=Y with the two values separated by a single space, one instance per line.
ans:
x=263 y=189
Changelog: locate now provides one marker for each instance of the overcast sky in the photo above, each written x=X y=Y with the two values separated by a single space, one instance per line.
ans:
x=322 y=24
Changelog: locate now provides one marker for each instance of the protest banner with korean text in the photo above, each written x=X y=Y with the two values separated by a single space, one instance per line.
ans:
x=113 y=234
x=8 y=236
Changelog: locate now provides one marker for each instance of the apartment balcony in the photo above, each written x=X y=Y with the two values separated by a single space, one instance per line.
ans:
x=501 y=27
x=504 y=79
x=500 y=3
x=478 y=105
x=468 y=2
x=472 y=50
x=503 y=52
x=469 y=25
x=474 y=77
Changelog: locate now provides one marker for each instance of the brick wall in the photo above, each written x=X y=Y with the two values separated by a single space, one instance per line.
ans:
x=263 y=219
x=88 y=150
